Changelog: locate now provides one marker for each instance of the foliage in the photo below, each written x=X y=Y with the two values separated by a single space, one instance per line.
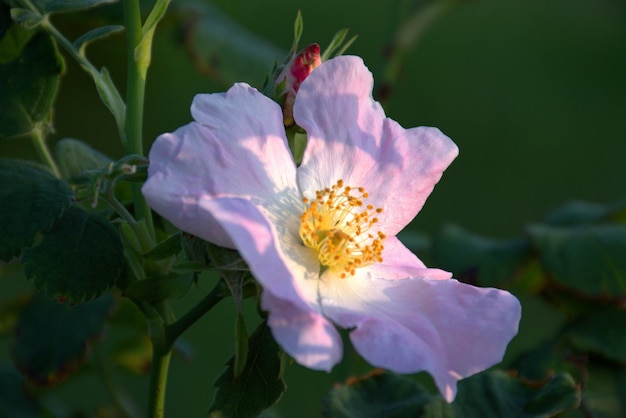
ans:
x=81 y=233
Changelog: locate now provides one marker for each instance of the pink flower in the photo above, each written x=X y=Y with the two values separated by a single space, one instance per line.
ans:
x=320 y=237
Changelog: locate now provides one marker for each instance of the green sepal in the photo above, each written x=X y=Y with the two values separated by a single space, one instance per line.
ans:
x=85 y=39
x=31 y=201
x=53 y=339
x=75 y=157
x=29 y=86
x=159 y=288
x=78 y=259
x=166 y=248
x=258 y=386
x=338 y=45
x=492 y=394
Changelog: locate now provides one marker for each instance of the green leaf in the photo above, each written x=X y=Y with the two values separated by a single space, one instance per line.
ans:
x=49 y=6
x=496 y=394
x=156 y=289
x=380 y=394
x=166 y=248
x=111 y=97
x=492 y=394
x=79 y=258
x=224 y=50
x=29 y=85
x=576 y=213
x=15 y=401
x=241 y=345
x=96 y=34
x=588 y=259
x=26 y=18
x=31 y=201
x=601 y=331
x=74 y=157
x=476 y=259
x=259 y=385
x=53 y=339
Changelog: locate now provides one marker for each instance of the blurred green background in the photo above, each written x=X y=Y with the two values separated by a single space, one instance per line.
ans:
x=532 y=91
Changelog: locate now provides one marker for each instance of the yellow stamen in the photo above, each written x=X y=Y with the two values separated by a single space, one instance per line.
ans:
x=336 y=225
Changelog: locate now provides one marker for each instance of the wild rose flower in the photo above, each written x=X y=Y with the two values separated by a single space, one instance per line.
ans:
x=320 y=237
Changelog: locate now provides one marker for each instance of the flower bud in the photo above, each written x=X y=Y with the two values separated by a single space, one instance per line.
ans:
x=293 y=75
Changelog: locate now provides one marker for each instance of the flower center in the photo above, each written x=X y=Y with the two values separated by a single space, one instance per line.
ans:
x=336 y=224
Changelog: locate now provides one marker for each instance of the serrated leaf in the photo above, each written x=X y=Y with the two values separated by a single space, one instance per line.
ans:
x=222 y=49
x=74 y=157
x=14 y=400
x=49 y=6
x=587 y=259
x=96 y=34
x=259 y=385
x=79 y=258
x=156 y=289
x=52 y=339
x=477 y=259
x=29 y=86
x=31 y=201
x=492 y=394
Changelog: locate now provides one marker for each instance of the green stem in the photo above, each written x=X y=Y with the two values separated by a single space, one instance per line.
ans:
x=173 y=331
x=161 y=354
x=138 y=57
x=39 y=141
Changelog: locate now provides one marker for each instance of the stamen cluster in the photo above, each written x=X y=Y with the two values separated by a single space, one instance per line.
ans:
x=337 y=223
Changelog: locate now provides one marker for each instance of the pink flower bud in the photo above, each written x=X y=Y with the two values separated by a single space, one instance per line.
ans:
x=294 y=74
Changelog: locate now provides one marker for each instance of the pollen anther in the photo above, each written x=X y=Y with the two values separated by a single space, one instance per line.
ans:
x=337 y=225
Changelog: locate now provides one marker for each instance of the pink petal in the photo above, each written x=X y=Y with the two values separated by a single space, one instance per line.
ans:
x=288 y=272
x=280 y=263
x=350 y=138
x=236 y=148
x=447 y=328
x=304 y=334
